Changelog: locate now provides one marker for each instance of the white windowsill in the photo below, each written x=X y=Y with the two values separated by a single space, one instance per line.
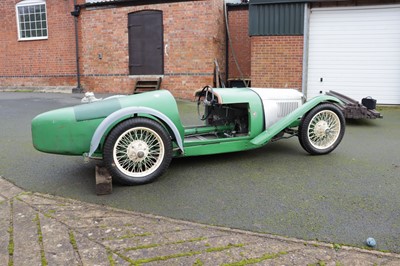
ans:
x=32 y=39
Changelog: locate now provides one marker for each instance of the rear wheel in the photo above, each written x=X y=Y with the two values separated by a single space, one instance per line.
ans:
x=137 y=151
x=322 y=129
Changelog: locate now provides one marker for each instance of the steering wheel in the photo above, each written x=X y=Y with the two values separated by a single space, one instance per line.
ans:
x=208 y=104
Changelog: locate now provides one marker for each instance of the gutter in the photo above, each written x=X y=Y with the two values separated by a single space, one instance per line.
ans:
x=114 y=3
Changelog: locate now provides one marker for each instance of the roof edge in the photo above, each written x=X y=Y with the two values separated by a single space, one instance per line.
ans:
x=132 y=2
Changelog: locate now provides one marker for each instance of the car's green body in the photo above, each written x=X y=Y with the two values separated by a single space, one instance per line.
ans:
x=70 y=130
x=82 y=129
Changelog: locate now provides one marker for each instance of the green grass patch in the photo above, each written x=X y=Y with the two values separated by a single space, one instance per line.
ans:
x=49 y=213
x=184 y=254
x=110 y=258
x=229 y=246
x=40 y=240
x=142 y=247
x=166 y=257
x=127 y=236
x=10 y=231
x=198 y=262
x=165 y=244
x=72 y=240
x=319 y=263
x=267 y=256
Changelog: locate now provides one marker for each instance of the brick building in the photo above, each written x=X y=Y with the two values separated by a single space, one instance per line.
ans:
x=349 y=46
x=192 y=36
x=115 y=47
x=239 y=58
x=41 y=54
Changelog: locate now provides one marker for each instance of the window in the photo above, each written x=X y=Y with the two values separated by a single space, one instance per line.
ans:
x=32 y=20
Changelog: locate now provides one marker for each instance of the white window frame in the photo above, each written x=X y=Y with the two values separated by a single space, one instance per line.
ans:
x=27 y=3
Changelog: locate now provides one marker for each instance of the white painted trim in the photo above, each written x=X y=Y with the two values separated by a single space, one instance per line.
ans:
x=306 y=33
x=30 y=3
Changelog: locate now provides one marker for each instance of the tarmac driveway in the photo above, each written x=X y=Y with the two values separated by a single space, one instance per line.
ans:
x=344 y=197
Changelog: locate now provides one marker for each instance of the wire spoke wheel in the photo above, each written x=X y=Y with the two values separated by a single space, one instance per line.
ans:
x=322 y=129
x=137 y=151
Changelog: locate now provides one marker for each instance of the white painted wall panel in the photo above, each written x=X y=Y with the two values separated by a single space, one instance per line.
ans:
x=355 y=51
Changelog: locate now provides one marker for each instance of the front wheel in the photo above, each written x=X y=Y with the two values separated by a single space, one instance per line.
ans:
x=137 y=151
x=322 y=129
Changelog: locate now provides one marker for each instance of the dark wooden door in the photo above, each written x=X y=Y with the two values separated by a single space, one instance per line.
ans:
x=146 y=53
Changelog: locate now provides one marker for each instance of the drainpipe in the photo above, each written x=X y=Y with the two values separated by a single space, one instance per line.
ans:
x=75 y=13
x=226 y=49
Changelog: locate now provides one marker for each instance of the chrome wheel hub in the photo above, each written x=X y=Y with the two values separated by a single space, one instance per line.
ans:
x=322 y=129
x=138 y=150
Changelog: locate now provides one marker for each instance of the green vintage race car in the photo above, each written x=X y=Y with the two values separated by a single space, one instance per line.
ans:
x=137 y=136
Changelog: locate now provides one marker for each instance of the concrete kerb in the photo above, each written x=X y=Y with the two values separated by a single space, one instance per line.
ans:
x=59 y=230
x=43 y=89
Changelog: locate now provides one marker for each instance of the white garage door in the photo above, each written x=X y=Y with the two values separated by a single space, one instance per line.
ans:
x=355 y=51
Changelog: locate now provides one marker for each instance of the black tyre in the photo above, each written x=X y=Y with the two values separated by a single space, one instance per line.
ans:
x=322 y=129
x=137 y=151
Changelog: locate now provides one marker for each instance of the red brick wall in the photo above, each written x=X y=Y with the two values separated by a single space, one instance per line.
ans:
x=48 y=62
x=238 y=19
x=277 y=61
x=193 y=32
